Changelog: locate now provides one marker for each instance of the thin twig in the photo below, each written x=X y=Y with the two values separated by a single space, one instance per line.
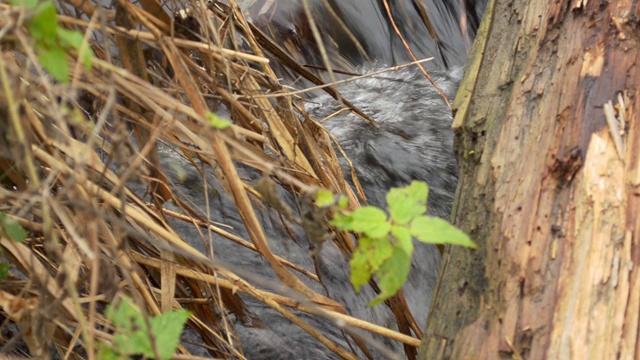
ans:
x=406 y=45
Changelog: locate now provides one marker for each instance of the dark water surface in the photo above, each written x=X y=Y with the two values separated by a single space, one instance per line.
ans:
x=413 y=142
x=453 y=21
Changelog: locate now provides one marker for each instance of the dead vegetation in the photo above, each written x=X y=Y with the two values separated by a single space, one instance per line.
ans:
x=68 y=151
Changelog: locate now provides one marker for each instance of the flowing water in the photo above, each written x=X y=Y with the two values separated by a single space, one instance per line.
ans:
x=367 y=23
x=413 y=142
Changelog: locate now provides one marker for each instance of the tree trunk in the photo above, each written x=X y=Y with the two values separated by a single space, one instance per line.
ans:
x=549 y=188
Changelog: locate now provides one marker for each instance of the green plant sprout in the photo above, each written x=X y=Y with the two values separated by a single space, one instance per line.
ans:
x=52 y=41
x=217 y=122
x=13 y=231
x=386 y=244
x=157 y=336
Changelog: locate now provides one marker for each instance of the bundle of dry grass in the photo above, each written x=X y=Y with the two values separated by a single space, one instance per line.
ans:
x=66 y=158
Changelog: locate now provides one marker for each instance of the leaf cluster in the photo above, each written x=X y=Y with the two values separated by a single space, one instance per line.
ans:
x=386 y=243
x=52 y=42
x=155 y=337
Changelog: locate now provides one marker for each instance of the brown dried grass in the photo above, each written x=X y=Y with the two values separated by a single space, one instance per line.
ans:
x=91 y=239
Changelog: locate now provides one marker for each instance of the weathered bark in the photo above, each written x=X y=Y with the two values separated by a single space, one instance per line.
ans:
x=551 y=199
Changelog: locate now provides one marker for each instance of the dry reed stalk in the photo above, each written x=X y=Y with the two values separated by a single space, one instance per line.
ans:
x=91 y=239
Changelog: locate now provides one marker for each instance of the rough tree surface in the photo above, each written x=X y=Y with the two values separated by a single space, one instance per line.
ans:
x=550 y=188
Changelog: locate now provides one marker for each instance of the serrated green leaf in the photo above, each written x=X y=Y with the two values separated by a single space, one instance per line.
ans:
x=324 y=198
x=371 y=221
x=369 y=213
x=419 y=190
x=131 y=336
x=402 y=238
x=44 y=24
x=367 y=259
x=392 y=275
x=408 y=202
x=342 y=221
x=343 y=202
x=166 y=330
x=54 y=60
x=361 y=271
x=134 y=343
x=434 y=230
x=126 y=316
x=218 y=122
x=11 y=229
x=378 y=231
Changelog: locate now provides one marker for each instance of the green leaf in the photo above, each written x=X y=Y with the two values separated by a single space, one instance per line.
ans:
x=217 y=122
x=341 y=221
x=131 y=336
x=418 y=190
x=402 y=238
x=54 y=60
x=166 y=329
x=434 y=230
x=106 y=353
x=4 y=271
x=324 y=198
x=392 y=275
x=371 y=221
x=408 y=202
x=11 y=229
x=378 y=231
x=125 y=315
x=133 y=343
x=73 y=38
x=367 y=259
x=28 y=4
x=44 y=24
x=87 y=59
x=70 y=38
x=343 y=202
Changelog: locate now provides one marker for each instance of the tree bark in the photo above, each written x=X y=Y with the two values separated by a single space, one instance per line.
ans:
x=549 y=188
